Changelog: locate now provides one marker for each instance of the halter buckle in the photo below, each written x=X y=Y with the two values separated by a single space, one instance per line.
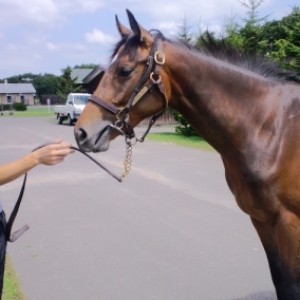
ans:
x=159 y=58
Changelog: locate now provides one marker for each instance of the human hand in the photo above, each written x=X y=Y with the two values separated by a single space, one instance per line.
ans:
x=53 y=153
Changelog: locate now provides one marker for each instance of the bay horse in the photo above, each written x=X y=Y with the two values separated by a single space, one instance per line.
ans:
x=251 y=118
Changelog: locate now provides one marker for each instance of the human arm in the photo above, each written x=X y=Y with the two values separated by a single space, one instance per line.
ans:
x=51 y=154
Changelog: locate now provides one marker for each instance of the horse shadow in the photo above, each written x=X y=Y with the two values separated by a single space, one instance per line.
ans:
x=264 y=295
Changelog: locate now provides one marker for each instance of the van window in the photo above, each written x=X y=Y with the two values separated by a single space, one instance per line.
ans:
x=81 y=99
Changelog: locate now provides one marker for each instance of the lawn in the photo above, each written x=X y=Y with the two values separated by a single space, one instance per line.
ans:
x=32 y=111
x=180 y=140
x=11 y=288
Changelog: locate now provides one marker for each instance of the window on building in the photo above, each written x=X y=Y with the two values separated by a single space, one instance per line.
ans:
x=8 y=99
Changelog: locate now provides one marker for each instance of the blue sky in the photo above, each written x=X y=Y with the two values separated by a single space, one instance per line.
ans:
x=46 y=36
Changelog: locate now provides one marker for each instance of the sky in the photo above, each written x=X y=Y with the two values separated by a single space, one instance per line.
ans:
x=46 y=36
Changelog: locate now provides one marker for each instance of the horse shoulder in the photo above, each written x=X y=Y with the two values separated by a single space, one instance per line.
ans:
x=265 y=176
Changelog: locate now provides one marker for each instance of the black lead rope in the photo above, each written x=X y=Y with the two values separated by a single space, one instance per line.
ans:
x=119 y=178
x=12 y=237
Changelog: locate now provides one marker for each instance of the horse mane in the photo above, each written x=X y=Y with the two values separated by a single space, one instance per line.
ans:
x=223 y=50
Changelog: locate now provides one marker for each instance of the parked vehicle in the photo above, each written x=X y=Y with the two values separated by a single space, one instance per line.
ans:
x=72 y=109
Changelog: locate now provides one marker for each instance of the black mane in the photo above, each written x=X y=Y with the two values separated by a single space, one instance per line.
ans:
x=259 y=64
x=222 y=50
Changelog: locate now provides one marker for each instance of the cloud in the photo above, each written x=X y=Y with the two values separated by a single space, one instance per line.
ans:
x=79 y=5
x=52 y=47
x=14 y=12
x=169 y=28
x=96 y=36
x=48 y=12
x=47 y=35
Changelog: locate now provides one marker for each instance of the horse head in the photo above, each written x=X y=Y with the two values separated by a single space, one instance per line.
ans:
x=133 y=88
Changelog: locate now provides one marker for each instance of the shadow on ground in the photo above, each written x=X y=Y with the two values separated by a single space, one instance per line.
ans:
x=265 y=295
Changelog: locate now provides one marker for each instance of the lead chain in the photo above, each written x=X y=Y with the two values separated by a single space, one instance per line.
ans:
x=128 y=159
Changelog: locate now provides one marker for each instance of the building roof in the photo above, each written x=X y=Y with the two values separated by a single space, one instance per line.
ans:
x=17 y=88
x=99 y=70
x=80 y=74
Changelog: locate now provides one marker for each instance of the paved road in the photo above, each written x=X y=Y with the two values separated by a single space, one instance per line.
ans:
x=171 y=231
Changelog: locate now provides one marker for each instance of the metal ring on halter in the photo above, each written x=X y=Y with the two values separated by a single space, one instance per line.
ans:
x=152 y=78
x=159 y=58
x=119 y=124
x=128 y=140
x=117 y=128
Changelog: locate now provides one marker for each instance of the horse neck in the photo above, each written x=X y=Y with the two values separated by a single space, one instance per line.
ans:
x=218 y=99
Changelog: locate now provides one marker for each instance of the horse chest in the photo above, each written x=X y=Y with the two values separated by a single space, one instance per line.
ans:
x=255 y=196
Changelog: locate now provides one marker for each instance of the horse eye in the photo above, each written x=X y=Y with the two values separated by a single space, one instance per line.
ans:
x=125 y=72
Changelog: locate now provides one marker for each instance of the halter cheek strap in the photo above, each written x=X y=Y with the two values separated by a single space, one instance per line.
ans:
x=150 y=78
x=111 y=108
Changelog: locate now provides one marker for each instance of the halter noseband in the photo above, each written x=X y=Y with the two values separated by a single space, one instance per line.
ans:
x=150 y=78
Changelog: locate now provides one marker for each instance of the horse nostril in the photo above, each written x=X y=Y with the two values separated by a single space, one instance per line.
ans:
x=80 y=135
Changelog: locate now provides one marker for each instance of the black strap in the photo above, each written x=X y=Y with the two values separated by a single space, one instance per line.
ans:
x=11 y=237
x=99 y=164
x=100 y=102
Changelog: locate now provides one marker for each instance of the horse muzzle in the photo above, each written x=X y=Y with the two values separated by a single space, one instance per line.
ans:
x=96 y=141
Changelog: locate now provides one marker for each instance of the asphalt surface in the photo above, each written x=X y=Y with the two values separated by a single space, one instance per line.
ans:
x=170 y=231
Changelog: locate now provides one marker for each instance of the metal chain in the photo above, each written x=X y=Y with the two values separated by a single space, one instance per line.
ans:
x=128 y=158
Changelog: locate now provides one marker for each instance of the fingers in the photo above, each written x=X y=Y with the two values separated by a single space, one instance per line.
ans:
x=61 y=147
x=53 y=153
x=54 y=160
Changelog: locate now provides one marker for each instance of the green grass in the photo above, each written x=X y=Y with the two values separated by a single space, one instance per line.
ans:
x=178 y=139
x=11 y=287
x=32 y=111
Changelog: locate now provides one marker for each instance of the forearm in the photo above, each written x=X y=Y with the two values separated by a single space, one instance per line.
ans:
x=50 y=154
x=15 y=169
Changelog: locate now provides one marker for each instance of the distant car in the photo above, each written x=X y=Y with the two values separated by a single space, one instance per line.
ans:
x=71 y=111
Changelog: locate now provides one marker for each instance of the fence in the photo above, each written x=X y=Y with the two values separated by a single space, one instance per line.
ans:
x=166 y=118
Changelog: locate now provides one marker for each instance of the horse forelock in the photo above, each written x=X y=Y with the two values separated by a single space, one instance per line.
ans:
x=131 y=44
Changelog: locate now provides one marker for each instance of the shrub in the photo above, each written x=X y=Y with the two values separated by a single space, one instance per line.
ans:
x=19 y=106
x=5 y=107
x=184 y=127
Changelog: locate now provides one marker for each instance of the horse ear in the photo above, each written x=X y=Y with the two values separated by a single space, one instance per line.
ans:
x=138 y=30
x=124 y=31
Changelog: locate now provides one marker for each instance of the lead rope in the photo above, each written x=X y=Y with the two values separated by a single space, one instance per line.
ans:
x=12 y=237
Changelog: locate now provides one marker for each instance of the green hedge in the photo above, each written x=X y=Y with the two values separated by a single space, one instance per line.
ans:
x=15 y=106
x=19 y=106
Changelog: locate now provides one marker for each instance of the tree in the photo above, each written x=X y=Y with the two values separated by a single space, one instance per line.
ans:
x=280 y=40
x=66 y=84
x=184 y=35
x=86 y=66
x=232 y=33
x=46 y=84
x=250 y=33
x=252 y=12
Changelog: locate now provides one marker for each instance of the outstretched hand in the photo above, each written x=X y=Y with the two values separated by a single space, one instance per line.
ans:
x=53 y=153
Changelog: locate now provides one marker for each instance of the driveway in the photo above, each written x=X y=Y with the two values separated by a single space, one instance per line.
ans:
x=170 y=231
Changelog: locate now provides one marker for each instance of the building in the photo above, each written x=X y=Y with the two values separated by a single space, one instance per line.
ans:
x=79 y=74
x=87 y=79
x=17 y=93
x=91 y=81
